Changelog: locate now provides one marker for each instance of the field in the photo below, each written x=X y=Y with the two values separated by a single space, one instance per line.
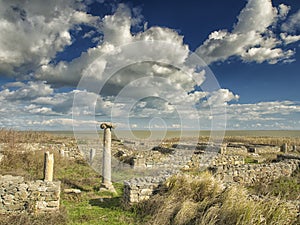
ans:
x=193 y=198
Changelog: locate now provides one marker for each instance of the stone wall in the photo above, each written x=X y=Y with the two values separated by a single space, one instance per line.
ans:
x=17 y=195
x=241 y=148
x=221 y=159
x=260 y=149
x=252 y=173
x=153 y=159
x=235 y=148
x=69 y=150
x=140 y=189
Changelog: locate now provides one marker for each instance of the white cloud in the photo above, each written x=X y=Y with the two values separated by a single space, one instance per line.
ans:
x=270 y=115
x=221 y=97
x=32 y=32
x=257 y=16
x=29 y=91
x=283 y=10
x=288 y=39
x=169 y=48
x=116 y=27
x=251 y=39
x=261 y=54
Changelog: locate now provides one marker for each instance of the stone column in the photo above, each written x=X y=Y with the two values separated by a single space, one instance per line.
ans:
x=62 y=153
x=48 y=166
x=92 y=154
x=284 y=148
x=106 y=160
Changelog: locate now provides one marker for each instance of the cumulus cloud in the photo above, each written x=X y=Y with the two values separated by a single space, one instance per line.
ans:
x=283 y=10
x=116 y=27
x=29 y=91
x=257 y=16
x=288 y=39
x=221 y=97
x=32 y=32
x=251 y=39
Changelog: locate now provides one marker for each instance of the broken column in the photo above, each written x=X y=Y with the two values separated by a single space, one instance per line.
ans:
x=92 y=154
x=62 y=153
x=106 y=160
x=48 y=166
x=284 y=148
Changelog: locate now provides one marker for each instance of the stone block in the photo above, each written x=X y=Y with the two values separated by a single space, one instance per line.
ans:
x=146 y=192
x=53 y=204
x=15 y=207
x=40 y=205
x=143 y=198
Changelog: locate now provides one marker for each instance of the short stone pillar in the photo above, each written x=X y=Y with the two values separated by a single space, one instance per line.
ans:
x=106 y=161
x=48 y=166
x=294 y=148
x=284 y=148
x=222 y=150
x=92 y=154
x=62 y=153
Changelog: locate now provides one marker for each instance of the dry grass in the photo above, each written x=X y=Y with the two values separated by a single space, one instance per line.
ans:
x=287 y=188
x=13 y=137
x=38 y=219
x=201 y=200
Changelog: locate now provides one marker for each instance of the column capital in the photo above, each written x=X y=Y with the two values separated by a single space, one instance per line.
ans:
x=106 y=125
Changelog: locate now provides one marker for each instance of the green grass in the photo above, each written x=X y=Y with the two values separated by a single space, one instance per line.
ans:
x=89 y=207
x=98 y=208
x=287 y=188
x=249 y=160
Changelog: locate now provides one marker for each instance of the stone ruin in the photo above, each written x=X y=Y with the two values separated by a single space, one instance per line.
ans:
x=228 y=166
x=18 y=195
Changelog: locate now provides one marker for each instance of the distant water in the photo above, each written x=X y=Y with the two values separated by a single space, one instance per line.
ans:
x=156 y=134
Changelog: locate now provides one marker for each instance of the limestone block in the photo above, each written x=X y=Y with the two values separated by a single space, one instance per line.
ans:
x=41 y=205
x=143 y=198
x=53 y=204
x=146 y=192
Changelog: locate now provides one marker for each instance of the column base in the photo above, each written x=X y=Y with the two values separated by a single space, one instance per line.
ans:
x=107 y=187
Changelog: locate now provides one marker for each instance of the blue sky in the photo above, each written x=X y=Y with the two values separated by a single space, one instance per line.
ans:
x=56 y=64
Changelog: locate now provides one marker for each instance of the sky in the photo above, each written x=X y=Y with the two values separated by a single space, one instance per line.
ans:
x=150 y=64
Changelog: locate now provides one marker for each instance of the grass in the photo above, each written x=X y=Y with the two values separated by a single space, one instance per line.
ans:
x=90 y=207
x=287 y=188
x=58 y=218
x=250 y=160
x=98 y=208
x=201 y=200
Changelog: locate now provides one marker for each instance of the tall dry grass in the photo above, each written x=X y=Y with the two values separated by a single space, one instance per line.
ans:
x=14 y=136
x=202 y=200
